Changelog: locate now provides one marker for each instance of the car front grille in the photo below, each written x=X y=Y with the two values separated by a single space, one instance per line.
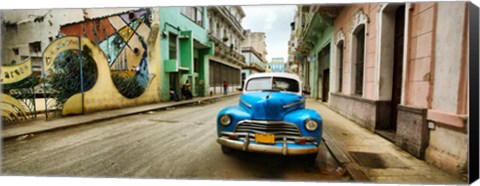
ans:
x=279 y=128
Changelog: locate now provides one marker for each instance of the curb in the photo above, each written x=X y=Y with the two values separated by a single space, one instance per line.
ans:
x=344 y=160
x=342 y=157
x=123 y=114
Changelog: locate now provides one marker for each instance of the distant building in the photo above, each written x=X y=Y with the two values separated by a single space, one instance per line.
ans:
x=254 y=50
x=277 y=65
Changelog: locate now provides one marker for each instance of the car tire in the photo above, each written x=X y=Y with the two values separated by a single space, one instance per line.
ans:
x=311 y=157
x=226 y=150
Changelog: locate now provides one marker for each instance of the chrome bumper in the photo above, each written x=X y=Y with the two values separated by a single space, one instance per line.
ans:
x=255 y=147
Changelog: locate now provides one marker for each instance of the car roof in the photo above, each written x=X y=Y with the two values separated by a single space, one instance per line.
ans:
x=274 y=74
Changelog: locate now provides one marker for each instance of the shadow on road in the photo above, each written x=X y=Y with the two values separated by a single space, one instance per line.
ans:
x=278 y=167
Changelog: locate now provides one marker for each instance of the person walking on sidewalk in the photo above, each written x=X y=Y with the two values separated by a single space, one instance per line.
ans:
x=225 y=87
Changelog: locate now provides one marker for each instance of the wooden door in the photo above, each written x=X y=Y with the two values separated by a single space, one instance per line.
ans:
x=326 y=85
x=397 y=66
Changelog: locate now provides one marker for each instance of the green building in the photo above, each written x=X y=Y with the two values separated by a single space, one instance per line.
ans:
x=315 y=42
x=184 y=50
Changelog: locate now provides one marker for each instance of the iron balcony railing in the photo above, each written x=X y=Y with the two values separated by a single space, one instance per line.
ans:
x=222 y=50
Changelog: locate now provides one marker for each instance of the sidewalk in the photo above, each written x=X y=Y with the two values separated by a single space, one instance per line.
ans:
x=41 y=125
x=371 y=158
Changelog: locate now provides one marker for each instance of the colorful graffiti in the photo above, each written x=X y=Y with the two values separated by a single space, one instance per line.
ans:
x=101 y=64
x=122 y=40
x=18 y=98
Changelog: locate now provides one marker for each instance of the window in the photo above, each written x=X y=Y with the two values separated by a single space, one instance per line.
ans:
x=193 y=13
x=172 y=46
x=195 y=64
x=359 y=44
x=340 y=65
x=35 y=47
x=15 y=51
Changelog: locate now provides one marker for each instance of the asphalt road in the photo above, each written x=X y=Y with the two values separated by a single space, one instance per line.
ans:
x=178 y=143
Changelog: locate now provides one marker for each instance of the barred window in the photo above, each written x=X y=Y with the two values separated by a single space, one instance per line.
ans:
x=359 y=58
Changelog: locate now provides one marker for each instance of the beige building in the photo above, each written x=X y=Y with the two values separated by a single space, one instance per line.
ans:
x=256 y=40
x=226 y=31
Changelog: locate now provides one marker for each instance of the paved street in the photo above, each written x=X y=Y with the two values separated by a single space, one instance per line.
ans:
x=175 y=143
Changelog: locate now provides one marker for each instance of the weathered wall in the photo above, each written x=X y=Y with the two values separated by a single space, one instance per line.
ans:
x=365 y=110
x=448 y=150
x=45 y=23
x=359 y=110
x=448 y=146
x=420 y=55
x=344 y=22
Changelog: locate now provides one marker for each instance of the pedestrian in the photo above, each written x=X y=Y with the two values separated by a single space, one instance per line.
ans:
x=186 y=93
x=225 y=87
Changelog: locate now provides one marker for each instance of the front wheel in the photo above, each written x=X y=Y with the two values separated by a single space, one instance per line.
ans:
x=226 y=150
x=311 y=157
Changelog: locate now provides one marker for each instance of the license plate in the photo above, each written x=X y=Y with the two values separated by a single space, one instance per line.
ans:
x=265 y=138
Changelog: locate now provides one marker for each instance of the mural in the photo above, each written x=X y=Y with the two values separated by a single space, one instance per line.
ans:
x=103 y=64
x=122 y=40
x=18 y=97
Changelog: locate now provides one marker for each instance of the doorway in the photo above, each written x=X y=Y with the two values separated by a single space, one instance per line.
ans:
x=392 y=63
x=323 y=85
x=326 y=85
x=397 y=65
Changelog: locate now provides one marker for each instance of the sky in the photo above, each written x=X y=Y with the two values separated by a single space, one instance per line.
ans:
x=275 y=21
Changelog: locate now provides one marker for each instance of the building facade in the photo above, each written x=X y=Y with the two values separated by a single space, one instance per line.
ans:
x=254 y=49
x=315 y=43
x=185 y=50
x=277 y=64
x=226 y=32
x=255 y=63
x=400 y=70
x=256 y=40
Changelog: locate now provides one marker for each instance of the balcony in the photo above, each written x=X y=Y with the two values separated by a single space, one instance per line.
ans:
x=223 y=51
x=223 y=12
x=254 y=66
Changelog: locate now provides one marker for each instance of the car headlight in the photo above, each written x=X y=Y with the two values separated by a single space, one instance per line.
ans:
x=225 y=119
x=311 y=125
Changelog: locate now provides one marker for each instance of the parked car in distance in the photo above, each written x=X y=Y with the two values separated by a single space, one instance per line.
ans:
x=270 y=118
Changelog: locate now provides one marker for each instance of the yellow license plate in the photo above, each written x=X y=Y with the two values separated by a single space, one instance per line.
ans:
x=265 y=138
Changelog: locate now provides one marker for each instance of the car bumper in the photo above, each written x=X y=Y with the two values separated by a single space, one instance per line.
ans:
x=283 y=148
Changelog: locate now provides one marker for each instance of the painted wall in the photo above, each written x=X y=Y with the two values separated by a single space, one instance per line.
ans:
x=420 y=56
x=170 y=19
x=316 y=69
x=344 y=22
x=450 y=59
x=448 y=145
x=140 y=34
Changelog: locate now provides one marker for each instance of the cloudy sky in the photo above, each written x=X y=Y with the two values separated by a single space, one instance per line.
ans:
x=275 y=22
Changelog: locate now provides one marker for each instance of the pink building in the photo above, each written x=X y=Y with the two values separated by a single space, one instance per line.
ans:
x=401 y=70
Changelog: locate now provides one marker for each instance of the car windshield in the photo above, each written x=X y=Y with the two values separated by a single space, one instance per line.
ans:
x=272 y=84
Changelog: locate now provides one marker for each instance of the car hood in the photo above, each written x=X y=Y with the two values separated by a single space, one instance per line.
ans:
x=271 y=105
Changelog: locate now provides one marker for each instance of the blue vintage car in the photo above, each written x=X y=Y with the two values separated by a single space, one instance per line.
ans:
x=270 y=118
